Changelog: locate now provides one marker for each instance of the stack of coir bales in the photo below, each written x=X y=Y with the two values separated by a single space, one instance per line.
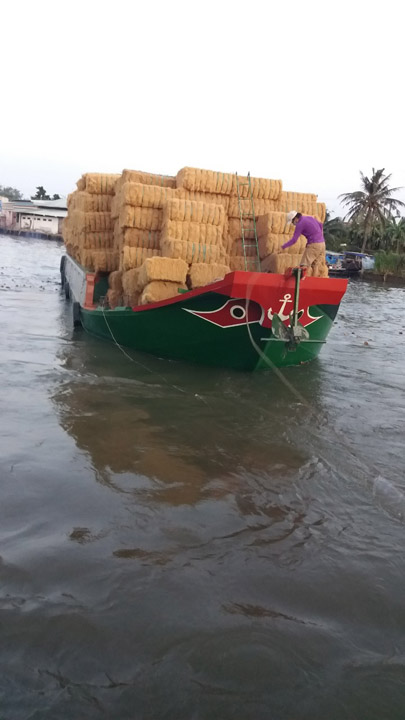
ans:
x=118 y=222
x=194 y=231
x=224 y=189
x=88 y=228
x=271 y=228
x=272 y=232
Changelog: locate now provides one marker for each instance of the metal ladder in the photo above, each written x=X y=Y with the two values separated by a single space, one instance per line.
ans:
x=248 y=242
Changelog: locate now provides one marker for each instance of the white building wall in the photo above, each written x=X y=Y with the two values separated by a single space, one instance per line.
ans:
x=39 y=223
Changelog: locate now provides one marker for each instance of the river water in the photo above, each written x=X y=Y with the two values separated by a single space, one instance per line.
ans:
x=187 y=543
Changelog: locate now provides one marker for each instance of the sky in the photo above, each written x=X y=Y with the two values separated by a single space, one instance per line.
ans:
x=308 y=92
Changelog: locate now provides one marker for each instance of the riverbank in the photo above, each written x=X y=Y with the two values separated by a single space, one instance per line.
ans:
x=385 y=278
x=31 y=234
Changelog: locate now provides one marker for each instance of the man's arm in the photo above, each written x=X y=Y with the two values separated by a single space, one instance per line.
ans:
x=297 y=233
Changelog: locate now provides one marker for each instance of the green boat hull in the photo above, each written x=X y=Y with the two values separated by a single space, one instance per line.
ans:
x=226 y=324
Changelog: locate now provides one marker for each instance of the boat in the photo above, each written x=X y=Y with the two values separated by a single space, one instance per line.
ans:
x=246 y=321
x=348 y=263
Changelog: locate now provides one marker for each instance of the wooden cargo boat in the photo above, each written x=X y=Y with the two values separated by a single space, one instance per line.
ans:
x=247 y=321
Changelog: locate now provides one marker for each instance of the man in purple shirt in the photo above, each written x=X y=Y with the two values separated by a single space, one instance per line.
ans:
x=312 y=230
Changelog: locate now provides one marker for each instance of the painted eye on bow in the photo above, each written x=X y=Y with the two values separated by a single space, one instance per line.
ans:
x=238 y=312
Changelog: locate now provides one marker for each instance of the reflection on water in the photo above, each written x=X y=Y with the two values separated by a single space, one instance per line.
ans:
x=187 y=542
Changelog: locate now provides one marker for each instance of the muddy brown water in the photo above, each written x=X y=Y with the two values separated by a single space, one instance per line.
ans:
x=191 y=543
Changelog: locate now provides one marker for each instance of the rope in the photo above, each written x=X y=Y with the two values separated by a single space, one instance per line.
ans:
x=137 y=362
x=270 y=363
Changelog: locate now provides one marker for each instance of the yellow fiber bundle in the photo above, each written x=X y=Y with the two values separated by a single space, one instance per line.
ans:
x=280 y=262
x=192 y=232
x=95 y=241
x=158 y=290
x=273 y=223
x=151 y=196
x=321 y=212
x=295 y=198
x=133 y=237
x=135 y=257
x=129 y=281
x=162 y=268
x=237 y=262
x=236 y=248
x=115 y=280
x=235 y=228
x=194 y=211
x=272 y=243
x=114 y=298
x=193 y=252
x=184 y=194
x=98 y=183
x=86 y=202
x=306 y=207
x=201 y=274
x=199 y=180
x=92 y=221
x=261 y=207
x=99 y=260
x=115 y=206
x=142 y=218
x=137 y=176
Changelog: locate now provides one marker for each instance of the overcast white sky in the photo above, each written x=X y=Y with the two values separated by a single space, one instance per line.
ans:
x=307 y=91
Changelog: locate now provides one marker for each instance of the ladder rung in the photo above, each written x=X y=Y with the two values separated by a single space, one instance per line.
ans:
x=248 y=215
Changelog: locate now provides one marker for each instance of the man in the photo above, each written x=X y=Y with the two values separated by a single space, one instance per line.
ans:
x=312 y=230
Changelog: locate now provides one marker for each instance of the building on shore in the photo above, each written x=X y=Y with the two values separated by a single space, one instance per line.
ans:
x=32 y=217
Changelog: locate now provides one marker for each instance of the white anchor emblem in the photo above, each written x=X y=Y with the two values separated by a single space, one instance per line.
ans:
x=286 y=299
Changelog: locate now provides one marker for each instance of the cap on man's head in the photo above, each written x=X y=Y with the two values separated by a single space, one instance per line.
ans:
x=291 y=215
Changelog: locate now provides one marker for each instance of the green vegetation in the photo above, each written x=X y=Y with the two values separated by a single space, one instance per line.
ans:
x=373 y=220
x=390 y=263
x=41 y=194
x=372 y=224
x=10 y=193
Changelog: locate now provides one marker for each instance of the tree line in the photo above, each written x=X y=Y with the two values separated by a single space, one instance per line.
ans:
x=373 y=221
x=13 y=194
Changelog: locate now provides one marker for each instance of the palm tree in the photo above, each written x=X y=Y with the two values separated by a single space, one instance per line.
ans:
x=373 y=204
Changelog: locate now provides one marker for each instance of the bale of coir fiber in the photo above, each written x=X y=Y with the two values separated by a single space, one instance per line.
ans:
x=138 y=176
x=98 y=183
x=148 y=239
x=132 y=257
x=162 y=268
x=192 y=232
x=115 y=280
x=238 y=262
x=200 y=180
x=114 y=298
x=194 y=211
x=193 y=252
x=141 y=218
x=95 y=240
x=92 y=221
x=129 y=281
x=201 y=274
x=158 y=290
x=238 y=247
x=273 y=223
x=99 y=260
x=151 y=196
x=279 y=262
x=86 y=202
x=271 y=243
x=260 y=207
